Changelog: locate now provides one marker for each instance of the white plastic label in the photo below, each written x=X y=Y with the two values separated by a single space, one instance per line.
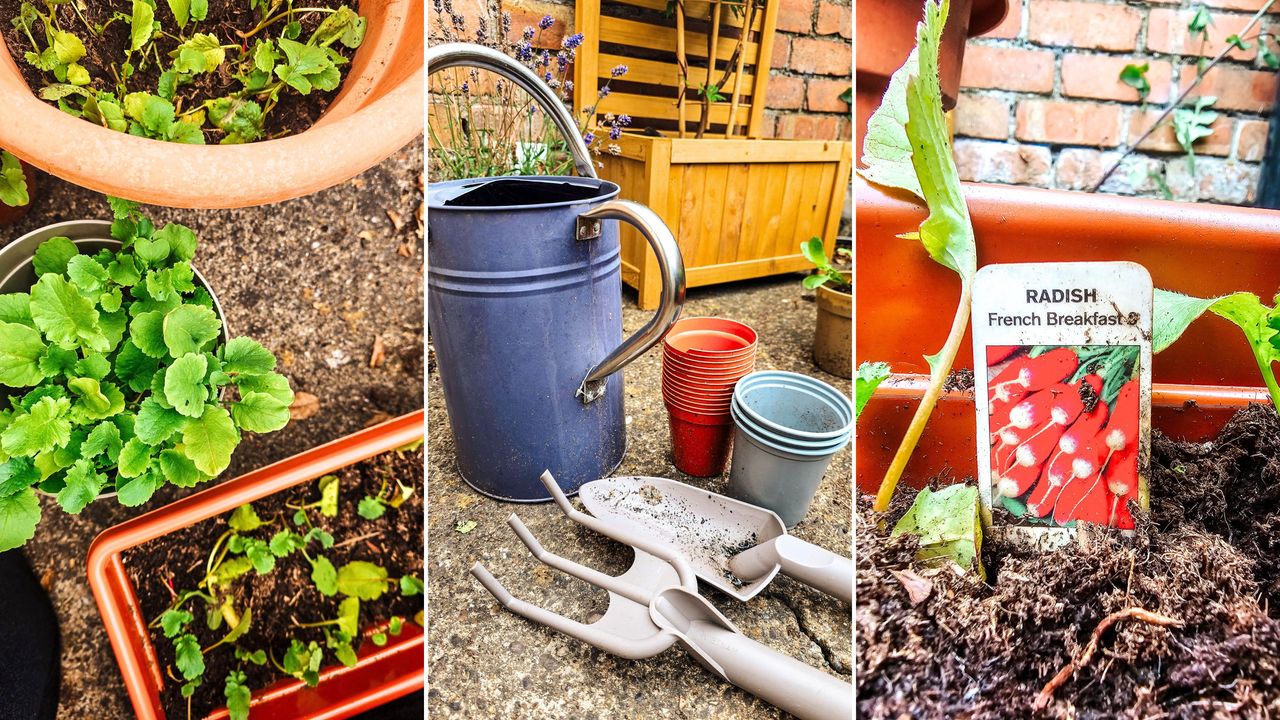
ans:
x=1062 y=379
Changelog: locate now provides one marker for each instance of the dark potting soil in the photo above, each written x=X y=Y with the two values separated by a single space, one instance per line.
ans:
x=293 y=114
x=287 y=594
x=1206 y=555
x=959 y=381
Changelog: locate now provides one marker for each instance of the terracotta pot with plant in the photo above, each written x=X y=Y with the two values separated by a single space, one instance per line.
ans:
x=833 y=333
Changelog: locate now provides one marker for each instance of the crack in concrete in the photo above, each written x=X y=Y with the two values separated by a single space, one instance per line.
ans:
x=828 y=655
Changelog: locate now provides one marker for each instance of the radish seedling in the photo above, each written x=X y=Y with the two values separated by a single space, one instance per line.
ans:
x=13 y=182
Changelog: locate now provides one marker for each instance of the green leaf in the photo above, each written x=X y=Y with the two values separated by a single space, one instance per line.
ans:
x=135 y=456
x=362 y=579
x=1236 y=42
x=410 y=586
x=181 y=10
x=65 y=316
x=329 y=486
x=95 y=400
x=124 y=271
x=67 y=47
x=242 y=627
x=231 y=569
x=146 y=331
x=949 y=527
x=13 y=181
x=237 y=695
x=285 y=542
x=371 y=508
x=86 y=274
x=156 y=423
x=53 y=255
x=260 y=413
x=886 y=149
x=349 y=616
x=244 y=356
x=189 y=329
x=20 y=351
x=16 y=475
x=870 y=375
x=465 y=526
x=260 y=555
x=134 y=367
x=325 y=576
x=1172 y=314
x=174 y=622
x=141 y=27
x=82 y=488
x=93 y=365
x=273 y=384
x=179 y=469
x=44 y=427
x=181 y=239
x=19 y=516
x=210 y=440
x=188 y=658
x=319 y=535
x=202 y=52
x=244 y=519
x=16 y=308
x=138 y=490
x=104 y=438
x=184 y=386
x=1135 y=76
x=199 y=9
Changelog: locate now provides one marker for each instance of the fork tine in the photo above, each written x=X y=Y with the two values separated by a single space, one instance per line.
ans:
x=582 y=572
x=606 y=641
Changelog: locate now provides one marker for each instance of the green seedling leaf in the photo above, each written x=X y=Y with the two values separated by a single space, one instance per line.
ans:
x=21 y=349
x=210 y=439
x=237 y=694
x=379 y=638
x=188 y=658
x=179 y=469
x=285 y=542
x=410 y=586
x=19 y=515
x=174 y=622
x=244 y=519
x=53 y=255
x=243 y=356
x=142 y=25
x=13 y=181
x=184 y=386
x=349 y=617
x=273 y=384
x=362 y=579
x=320 y=536
x=181 y=10
x=16 y=308
x=82 y=488
x=45 y=426
x=886 y=149
x=870 y=375
x=157 y=423
x=242 y=627
x=1174 y=312
x=1135 y=76
x=260 y=413
x=135 y=456
x=949 y=527
x=138 y=490
x=395 y=626
x=329 y=486
x=231 y=569
x=190 y=329
x=65 y=316
x=257 y=657
x=371 y=508
x=325 y=576
x=103 y=439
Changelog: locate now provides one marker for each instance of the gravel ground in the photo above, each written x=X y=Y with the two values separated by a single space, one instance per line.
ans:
x=485 y=662
x=315 y=280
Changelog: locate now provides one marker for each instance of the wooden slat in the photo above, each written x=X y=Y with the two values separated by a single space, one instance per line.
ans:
x=712 y=209
x=656 y=72
x=755 y=126
x=642 y=106
x=743 y=269
x=586 y=18
x=735 y=203
x=653 y=37
x=694 y=9
x=695 y=151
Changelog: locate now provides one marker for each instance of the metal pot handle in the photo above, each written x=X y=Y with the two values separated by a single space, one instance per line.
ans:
x=670 y=262
x=441 y=57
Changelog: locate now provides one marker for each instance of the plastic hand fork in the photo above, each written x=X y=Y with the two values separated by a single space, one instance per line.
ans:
x=655 y=604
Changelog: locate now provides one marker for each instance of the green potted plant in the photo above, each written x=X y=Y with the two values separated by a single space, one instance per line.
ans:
x=833 y=332
x=17 y=184
x=119 y=374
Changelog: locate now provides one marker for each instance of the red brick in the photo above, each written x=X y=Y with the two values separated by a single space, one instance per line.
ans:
x=1068 y=123
x=806 y=126
x=835 y=19
x=1252 y=142
x=785 y=92
x=795 y=16
x=981 y=161
x=821 y=57
x=1236 y=88
x=529 y=12
x=986 y=66
x=781 y=52
x=1011 y=26
x=824 y=95
x=1249 y=6
x=982 y=116
x=1163 y=139
x=1098 y=76
x=1167 y=33
x=1084 y=24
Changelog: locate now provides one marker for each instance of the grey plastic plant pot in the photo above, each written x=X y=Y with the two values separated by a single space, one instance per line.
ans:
x=17 y=273
x=794 y=405
x=800 y=447
x=784 y=482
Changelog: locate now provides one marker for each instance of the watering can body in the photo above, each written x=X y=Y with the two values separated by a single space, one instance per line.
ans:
x=524 y=309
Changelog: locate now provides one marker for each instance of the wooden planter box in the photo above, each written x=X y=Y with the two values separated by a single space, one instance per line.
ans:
x=739 y=207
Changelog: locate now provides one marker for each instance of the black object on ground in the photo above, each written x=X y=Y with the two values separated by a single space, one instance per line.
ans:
x=29 y=667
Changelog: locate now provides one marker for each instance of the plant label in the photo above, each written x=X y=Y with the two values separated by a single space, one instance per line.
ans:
x=1062 y=358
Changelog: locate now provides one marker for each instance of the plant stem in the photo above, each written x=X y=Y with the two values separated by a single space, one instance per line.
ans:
x=1264 y=365
x=937 y=378
x=1182 y=96
x=287 y=13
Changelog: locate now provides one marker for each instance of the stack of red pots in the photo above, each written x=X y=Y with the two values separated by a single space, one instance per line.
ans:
x=702 y=360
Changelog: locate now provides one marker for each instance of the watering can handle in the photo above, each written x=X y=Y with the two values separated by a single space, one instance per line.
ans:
x=670 y=264
x=441 y=57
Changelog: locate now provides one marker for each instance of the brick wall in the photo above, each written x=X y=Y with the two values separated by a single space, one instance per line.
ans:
x=812 y=62
x=1042 y=103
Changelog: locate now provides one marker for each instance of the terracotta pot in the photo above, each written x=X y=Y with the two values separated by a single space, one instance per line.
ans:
x=1200 y=249
x=833 y=334
x=10 y=215
x=887 y=32
x=378 y=111
x=382 y=674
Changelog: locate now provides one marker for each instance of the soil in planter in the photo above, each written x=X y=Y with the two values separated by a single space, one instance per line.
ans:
x=393 y=541
x=293 y=114
x=1205 y=555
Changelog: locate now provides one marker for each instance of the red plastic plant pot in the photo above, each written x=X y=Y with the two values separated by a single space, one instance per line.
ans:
x=685 y=363
x=711 y=338
x=696 y=389
x=697 y=402
x=699 y=443
x=382 y=674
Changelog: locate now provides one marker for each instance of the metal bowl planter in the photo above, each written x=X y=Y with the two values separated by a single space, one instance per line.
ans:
x=380 y=104
x=382 y=674
x=1199 y=249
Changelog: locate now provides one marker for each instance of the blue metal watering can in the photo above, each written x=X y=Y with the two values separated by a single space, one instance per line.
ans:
x=524 y=307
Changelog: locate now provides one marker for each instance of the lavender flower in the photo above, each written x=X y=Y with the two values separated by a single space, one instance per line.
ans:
x=615 y=132
x=589 y=138
x=506 y=24
x=568 y=86
x=618 y=71
x=528 y=33
x=624 y=120
x=572 y=42
x=466 y=89
x=547 y=77
x=524 y=51
x=604 y=91
x=546 y=22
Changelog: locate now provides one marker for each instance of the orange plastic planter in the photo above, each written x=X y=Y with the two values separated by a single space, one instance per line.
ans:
x=378 y=111
x=1199 y=249
x=381 y=675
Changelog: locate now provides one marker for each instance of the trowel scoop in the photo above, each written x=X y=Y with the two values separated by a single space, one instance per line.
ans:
x=735 y=546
